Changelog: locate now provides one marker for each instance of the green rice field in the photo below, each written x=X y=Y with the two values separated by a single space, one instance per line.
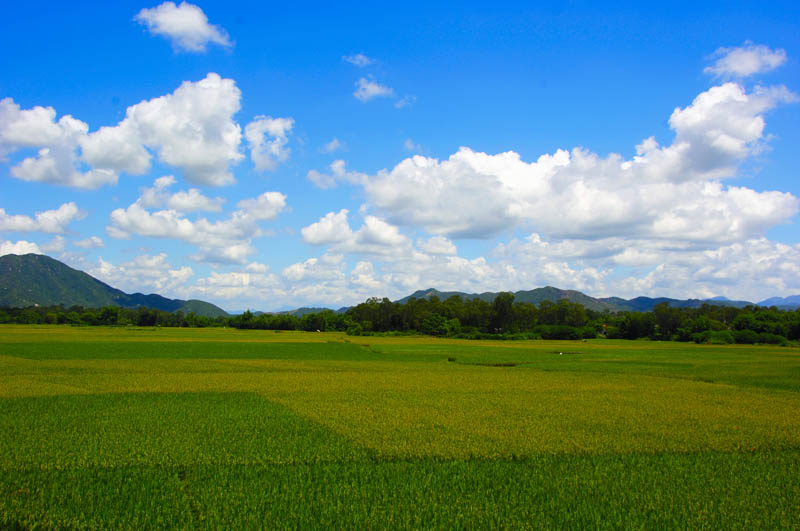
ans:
x=134 y=428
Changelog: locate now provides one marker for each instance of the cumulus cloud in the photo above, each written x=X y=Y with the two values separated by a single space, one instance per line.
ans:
x=363 y=276
x=192 y=129
x=749 y=270
x=437 y=245
x=360 y=60
x=185 y=25
x=375 y=236
x=225 y=241
x=331 y=228
x=266 y=206
x=253 y=286
x=745 y=60
x=257 y=267
x=671 y=192
x=92 y=242
x=145 y=273
x=51 y=221
x=739 y=270
x=19 y=247
x=192 y=200
x=56 y=143
x=338 y=173
x=368 y=89
x=267 y=139
x=742 y=270
x=326 y=268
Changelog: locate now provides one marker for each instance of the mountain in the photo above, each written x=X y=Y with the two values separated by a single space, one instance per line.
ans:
x=31 y=279
x=646 y=304
x=300 y=312
x=534 y=296
x=790 y=302
x=549 y=293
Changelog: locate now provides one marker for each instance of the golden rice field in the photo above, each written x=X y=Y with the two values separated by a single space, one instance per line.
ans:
x=220 y=428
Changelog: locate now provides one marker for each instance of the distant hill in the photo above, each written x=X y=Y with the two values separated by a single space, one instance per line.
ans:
x=32 y=279
x=549 y=293
x=300 y=312
x=792 y=302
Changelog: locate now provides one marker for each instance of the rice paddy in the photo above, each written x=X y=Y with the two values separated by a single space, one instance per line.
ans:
x=217 y=429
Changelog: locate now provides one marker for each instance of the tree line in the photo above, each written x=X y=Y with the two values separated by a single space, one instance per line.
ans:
x=504 y=318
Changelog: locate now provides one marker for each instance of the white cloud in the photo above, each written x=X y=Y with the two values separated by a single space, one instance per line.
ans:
x=233 y=253
x=51 y=221
x=333 y=145
x=56 y=143
x=268 y=152
x=437 y=245
x=119 y=148
x=56 y=245
x=326 y=268
x=748 y=270
x=192 y=200
x=225 y=241
x=363 y=276
x=405 y=101
x=751 y=270
x=662 y=193
x=257 y=267
x=339 y=173
x=331 y=228
x=185 y=25
x=35 y=127
x=266 y=206
x=253 y=286
x=375 y=236
x=145 y=273
x=19 y=247
x=359 y=59
x=192 y=128
x=745 y=60
x=92 y=242
x=321 y=180
x=367 y=89
x=741 y=270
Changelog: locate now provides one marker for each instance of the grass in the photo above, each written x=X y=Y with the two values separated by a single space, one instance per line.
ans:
x=140 y=428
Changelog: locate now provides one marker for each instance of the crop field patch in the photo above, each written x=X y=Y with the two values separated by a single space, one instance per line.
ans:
x=398 y=432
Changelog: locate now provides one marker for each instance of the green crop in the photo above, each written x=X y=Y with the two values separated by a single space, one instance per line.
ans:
x=189 y=428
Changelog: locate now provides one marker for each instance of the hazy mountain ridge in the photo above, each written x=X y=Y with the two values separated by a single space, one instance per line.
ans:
x=27 y=280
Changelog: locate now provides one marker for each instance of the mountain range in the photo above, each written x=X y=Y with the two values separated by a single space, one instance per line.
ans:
x=613 y=304
x=31 y=279
x=27 y=280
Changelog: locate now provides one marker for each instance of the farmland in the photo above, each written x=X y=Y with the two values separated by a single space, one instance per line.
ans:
x=218 y=428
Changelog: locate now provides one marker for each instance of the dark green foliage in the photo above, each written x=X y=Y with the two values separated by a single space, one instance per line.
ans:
x=712 y=337
x=745 y=337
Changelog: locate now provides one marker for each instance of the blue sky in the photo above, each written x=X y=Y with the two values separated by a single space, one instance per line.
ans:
x=271 y=156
